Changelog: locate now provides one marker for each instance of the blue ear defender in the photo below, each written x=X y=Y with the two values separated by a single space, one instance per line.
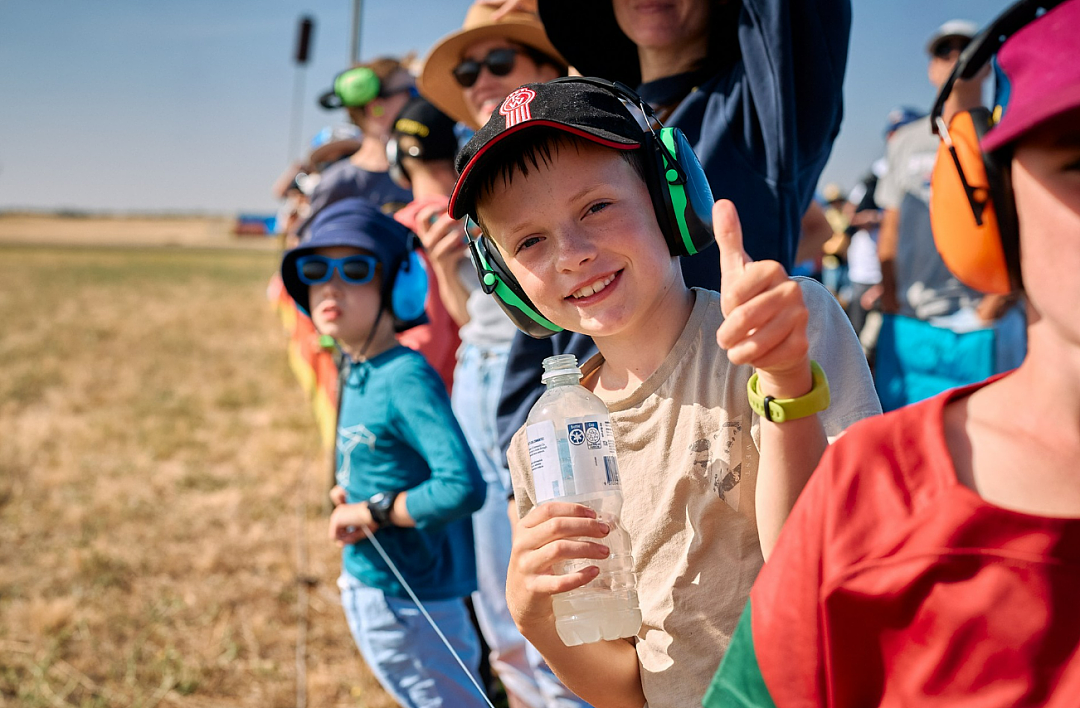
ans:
x=409 y=292
x=408 y=289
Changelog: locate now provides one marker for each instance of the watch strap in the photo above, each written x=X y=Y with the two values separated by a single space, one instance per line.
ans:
x=380 y=505
x=779 y=410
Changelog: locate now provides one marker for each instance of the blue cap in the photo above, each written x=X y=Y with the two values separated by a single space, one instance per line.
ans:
x=352 y=222
x=901 y=116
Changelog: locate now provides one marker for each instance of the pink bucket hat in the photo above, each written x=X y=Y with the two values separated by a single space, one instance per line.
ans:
x=1037 y=75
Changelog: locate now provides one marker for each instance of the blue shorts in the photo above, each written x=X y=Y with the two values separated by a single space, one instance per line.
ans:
x=405 y=653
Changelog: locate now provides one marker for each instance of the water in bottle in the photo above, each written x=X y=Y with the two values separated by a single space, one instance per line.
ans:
x=572 y=454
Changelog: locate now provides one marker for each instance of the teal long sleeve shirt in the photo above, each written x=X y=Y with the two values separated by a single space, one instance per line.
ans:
x=397 y=433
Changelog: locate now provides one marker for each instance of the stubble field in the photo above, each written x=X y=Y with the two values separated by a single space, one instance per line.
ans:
x=162 y=519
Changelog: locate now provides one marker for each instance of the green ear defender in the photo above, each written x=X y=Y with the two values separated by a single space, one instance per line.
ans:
x=357 y=87
x=496 y=280
x=682 y=196
x=353 y=88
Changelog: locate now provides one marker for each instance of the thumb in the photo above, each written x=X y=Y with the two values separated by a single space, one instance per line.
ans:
x=728 y=233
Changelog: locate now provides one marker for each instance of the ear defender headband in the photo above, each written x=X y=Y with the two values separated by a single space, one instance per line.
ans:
x=972 y=210
x=681 y=199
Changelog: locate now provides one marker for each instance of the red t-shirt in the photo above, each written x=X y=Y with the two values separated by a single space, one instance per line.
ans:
x=893 y=584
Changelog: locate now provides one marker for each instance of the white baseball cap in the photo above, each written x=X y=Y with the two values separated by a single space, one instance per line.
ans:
x=953 y=28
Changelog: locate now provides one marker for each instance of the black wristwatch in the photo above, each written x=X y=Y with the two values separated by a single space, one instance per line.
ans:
x=380 y=505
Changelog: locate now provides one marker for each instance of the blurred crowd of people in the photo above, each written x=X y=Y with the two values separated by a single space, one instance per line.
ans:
x=758 y=96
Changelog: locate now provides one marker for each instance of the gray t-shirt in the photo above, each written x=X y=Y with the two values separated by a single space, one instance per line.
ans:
x=925 y=286
x=343 y=179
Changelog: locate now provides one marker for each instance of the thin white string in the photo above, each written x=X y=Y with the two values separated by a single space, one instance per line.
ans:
x=423 y=610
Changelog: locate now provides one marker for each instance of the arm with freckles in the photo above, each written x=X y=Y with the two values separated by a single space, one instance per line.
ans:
x=605 y=673
x=764 y=326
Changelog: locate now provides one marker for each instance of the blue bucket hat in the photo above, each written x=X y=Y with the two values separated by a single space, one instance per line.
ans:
x=352 y=222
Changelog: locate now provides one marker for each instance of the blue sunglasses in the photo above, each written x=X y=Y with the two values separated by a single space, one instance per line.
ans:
x=356 y=270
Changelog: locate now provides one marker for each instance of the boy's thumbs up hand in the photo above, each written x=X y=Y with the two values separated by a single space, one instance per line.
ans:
x=728 y=232
x=764 y=313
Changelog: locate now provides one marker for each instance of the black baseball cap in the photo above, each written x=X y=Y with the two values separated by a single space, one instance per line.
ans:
x=580 y=106
x=423 y=131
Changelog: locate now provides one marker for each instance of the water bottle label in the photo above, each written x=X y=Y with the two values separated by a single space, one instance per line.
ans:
x=544 y=460
x=592 y=452
x=578 y=459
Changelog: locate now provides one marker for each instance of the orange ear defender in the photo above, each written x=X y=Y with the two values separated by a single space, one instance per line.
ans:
x=967 y=192
x=972 y=212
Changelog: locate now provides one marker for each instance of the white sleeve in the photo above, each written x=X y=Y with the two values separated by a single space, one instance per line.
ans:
x=835 y=347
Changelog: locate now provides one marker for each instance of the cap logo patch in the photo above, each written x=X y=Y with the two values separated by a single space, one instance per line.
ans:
x=516 y=106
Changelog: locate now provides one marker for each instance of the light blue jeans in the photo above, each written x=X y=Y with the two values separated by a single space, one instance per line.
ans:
x=405 y=653
x=477 y=384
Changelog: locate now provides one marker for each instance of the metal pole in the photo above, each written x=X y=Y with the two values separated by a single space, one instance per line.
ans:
x=354 y=45
x=298 y=114
x=303 y=47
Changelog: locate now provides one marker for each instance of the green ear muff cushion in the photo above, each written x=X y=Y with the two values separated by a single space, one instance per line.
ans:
x=677 y=192
x=691 y=201
x=505 y=293
x=357 y=87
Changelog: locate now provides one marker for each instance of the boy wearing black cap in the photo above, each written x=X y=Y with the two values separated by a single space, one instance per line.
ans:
x=405 y=477
x=756 y=86
x=558 y=180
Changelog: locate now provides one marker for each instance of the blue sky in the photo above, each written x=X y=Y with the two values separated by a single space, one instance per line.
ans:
x=185 y=106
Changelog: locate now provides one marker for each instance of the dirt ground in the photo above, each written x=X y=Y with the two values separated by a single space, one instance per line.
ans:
x=162 y=523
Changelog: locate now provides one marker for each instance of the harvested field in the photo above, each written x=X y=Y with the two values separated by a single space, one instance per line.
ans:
x=162 y=521
x=208 y=232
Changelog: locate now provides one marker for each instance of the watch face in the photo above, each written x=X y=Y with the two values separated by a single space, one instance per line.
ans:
x=379 y=505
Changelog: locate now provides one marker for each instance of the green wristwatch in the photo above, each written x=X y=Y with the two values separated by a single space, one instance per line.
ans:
x=779 y=410
x=380 y=505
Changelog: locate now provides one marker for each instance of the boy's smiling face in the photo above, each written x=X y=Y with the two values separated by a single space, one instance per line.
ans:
x=345 y=311
x=580 y=236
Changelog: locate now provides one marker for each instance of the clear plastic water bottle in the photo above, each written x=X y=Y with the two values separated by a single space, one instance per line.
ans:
x=572 y=454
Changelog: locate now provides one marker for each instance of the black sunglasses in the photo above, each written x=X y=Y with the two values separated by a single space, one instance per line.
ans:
x=945 y=48
x=499 y=62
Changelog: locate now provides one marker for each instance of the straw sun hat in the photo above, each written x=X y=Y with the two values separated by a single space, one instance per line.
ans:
x=437 y=82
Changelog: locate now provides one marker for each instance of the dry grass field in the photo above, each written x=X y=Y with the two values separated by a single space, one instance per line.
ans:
x=162 y=529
